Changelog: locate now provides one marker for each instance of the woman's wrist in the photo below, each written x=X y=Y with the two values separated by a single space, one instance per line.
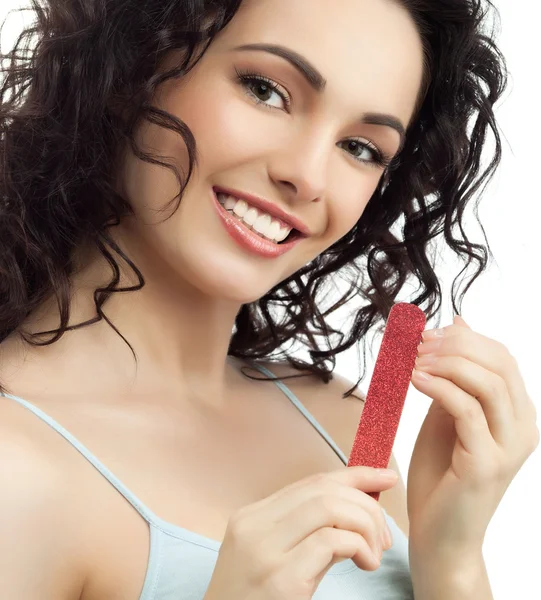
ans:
x=456 y=558
x=460 y=568
x=457 y=576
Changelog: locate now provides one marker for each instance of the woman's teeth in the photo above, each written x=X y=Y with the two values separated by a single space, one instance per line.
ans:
x=255 y=219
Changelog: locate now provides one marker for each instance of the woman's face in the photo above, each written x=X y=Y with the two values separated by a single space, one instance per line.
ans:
x=302 y=146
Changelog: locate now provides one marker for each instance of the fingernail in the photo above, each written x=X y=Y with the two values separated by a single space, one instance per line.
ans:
x=421 y=375
x=425 y=359
x=386 y=473
x=433 y=333
x=429 y=346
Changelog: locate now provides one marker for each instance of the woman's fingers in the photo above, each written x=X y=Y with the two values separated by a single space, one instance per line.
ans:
x=317 y=553
x=323 y=492
x=331 y=511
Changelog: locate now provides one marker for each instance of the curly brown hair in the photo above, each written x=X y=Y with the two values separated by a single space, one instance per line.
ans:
x=62 y=130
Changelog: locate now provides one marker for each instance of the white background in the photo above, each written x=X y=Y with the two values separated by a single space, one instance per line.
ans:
x=504 y=302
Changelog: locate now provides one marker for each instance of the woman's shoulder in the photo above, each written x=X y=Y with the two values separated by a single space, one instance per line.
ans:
x=308 y=379
x=37 y=514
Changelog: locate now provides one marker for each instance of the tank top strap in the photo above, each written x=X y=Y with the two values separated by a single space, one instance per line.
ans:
x=143 y=510
x=304 y=411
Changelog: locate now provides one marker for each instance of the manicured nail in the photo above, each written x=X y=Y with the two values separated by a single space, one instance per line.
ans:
x=425 y=359
x=421 y=375
x=429 y=346
x=433 y=333
x=386 y=473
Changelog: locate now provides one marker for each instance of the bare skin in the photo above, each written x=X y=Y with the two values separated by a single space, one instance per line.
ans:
x=141 y=445
x=187 y=393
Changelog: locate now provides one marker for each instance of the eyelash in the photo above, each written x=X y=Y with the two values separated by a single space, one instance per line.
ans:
x=381 y=159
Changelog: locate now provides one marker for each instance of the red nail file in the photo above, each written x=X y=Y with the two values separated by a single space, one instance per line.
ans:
x=389 y=385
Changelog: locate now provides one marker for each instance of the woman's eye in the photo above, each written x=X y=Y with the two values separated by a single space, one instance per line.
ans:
x=264 y=91
x=270 y=95
x=358 y=148
x=371 y=154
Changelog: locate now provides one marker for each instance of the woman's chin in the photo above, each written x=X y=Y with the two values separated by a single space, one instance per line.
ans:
x=223 y=275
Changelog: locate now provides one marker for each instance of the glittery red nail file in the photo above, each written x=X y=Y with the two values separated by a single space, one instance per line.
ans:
x=389 y=385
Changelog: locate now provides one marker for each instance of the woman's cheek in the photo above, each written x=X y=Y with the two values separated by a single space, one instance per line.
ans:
x=246 y=133
x=348 y=207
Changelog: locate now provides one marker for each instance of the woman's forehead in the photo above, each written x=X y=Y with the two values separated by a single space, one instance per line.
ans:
x=335 y=25
x=369 y=51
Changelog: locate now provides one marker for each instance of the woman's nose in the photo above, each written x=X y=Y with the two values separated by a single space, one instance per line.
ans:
x=300 y=170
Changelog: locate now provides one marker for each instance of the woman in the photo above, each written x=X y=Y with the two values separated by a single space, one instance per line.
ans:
x=136 y=310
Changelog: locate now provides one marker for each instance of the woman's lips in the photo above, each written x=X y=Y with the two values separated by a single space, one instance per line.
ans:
x=250 y=240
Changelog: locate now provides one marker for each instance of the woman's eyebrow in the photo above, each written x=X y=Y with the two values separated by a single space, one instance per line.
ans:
x=318 y=83
x=310 y=73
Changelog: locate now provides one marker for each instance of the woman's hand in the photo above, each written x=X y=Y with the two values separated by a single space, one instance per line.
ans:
x=282 y=546
x=477 y=434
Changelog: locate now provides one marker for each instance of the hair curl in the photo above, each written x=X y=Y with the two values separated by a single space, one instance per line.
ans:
x=79 y=93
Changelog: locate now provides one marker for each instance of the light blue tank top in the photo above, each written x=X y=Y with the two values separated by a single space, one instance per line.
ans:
x=181 y=562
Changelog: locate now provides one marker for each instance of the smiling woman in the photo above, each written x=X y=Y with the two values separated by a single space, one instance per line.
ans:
x=172 y=174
